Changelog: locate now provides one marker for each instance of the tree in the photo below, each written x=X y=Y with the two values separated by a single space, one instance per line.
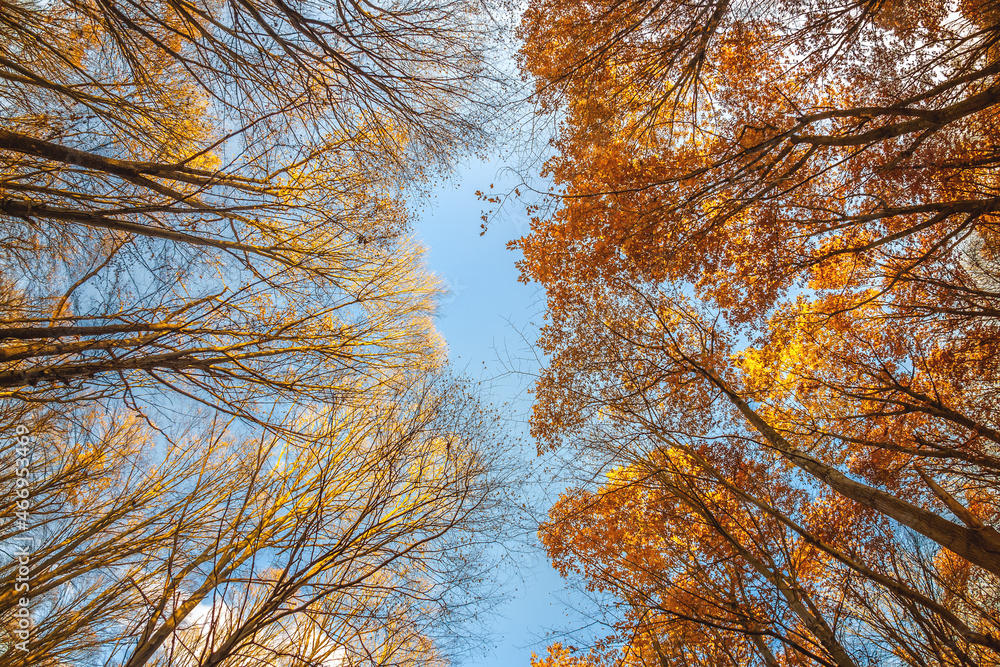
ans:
x=676 y=165
x=194 y=192
x=213 y=549
x=775 y=250
x=649 y=387
x=213 y=321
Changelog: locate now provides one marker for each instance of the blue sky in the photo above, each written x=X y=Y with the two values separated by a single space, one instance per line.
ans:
x=489 y=320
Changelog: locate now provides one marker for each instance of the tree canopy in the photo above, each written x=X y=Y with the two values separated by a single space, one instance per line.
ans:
x=236 y=437
x=772 y=289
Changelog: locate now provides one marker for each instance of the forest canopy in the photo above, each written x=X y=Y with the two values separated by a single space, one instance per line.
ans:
x=773 y=294
x=771 y=264
x=230 y=433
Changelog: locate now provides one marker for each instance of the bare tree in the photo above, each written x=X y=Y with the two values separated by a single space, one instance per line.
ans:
x=358 y=547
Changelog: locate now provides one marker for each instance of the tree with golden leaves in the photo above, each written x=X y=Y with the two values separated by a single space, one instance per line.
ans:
x=773 y=287
x=218 y=332
x=193 y=193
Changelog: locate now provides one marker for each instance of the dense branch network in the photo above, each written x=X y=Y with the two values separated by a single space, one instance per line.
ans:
x=772 y=279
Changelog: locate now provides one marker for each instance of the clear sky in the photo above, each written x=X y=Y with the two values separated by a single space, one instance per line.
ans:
x=489 y=320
